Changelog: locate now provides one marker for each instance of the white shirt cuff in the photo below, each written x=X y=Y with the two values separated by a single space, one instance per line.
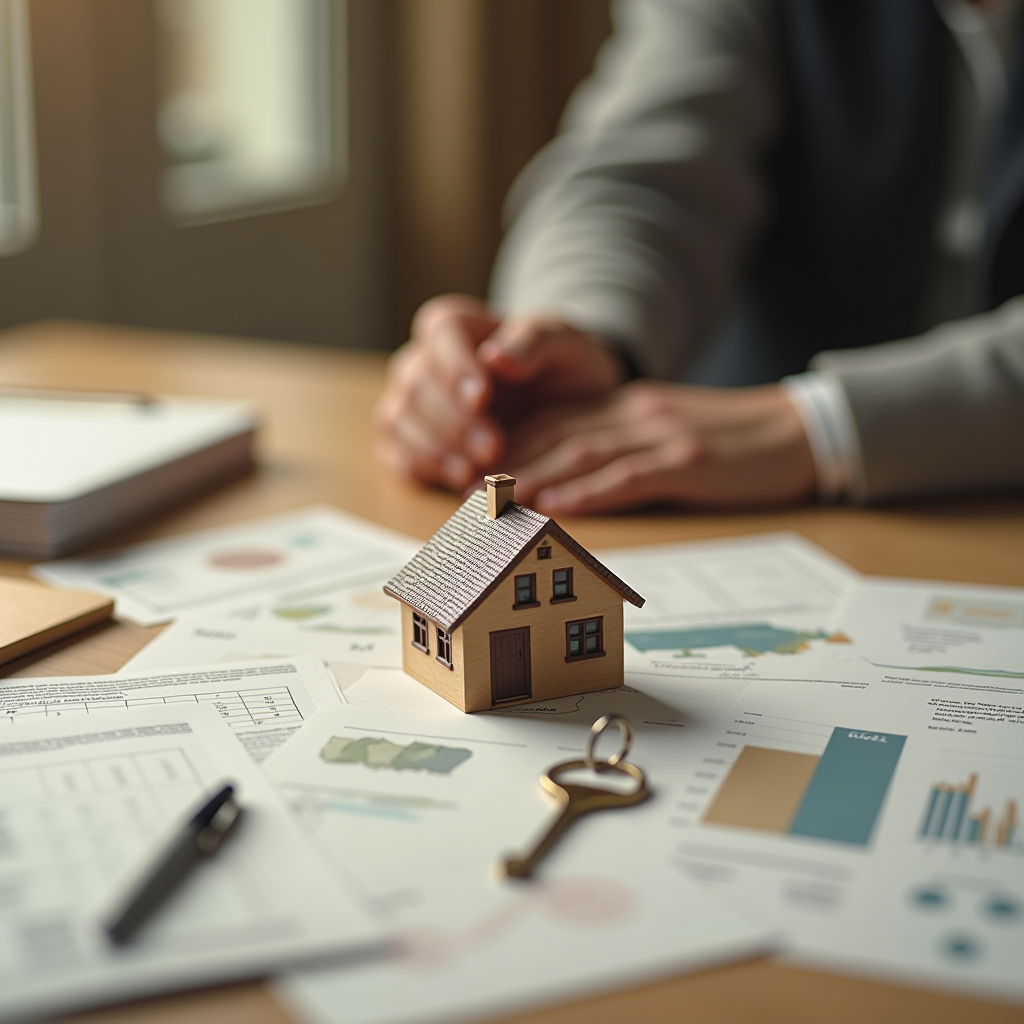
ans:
x=825 y=413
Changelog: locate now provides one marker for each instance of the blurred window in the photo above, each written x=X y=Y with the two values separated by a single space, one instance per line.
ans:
x=19 y=218
x=249 y=118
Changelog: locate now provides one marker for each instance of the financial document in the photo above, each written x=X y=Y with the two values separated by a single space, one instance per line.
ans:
x=160 y=580
x=741 y=608
x=87 y=804
x=417 y=808
x=350 y=628
x=879 y=827
x=968 y=634
x=262 y=702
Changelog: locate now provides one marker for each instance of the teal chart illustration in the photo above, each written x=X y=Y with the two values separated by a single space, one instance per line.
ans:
x=750 y=638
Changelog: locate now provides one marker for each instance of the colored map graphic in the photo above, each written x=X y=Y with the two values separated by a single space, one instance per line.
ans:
x=377 y=752
x=751 y=639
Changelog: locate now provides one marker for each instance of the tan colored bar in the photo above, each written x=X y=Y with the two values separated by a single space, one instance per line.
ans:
x=763 y=789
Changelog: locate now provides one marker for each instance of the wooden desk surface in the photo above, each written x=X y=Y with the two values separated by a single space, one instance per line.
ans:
x=316 y=447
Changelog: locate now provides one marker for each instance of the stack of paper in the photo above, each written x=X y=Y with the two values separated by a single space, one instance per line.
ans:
x=75 y=471
x=835 y=760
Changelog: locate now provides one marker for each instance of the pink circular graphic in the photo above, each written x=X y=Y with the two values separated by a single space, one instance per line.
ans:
x=587 y=901
x=424 y=948
x=245 y=558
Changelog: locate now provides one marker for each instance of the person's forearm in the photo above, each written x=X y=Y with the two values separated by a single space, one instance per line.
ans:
x=941 y=412
x=633 y=223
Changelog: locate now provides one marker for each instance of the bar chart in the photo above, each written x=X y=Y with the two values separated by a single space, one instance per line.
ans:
x=950 y=816
x=836 y=796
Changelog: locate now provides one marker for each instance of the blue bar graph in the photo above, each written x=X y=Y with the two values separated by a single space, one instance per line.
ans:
x=948 y=816
x=846 y=792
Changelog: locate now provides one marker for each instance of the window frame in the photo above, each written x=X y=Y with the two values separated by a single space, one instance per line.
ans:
x=544 y=552
x=599 y=633
x=421 y=626
x=517 y=605
x=444 y=648
x=563 y=598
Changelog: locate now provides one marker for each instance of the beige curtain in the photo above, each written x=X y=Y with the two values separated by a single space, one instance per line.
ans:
x=480 y=87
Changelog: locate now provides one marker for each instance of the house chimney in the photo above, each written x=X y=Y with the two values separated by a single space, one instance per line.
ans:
x=501 y=489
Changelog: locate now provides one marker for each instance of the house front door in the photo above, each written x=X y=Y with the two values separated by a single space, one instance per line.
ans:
x=510 y=664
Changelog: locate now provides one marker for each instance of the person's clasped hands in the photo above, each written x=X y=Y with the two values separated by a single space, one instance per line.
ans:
x=533 y=396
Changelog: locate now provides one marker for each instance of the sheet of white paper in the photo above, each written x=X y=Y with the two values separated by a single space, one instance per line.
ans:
x=943 y=629
x=263 y=702
x=160 y=580
x=847 y=817
x=742 y=608
x=370 y=638
x=416 y=808
x=86 y=804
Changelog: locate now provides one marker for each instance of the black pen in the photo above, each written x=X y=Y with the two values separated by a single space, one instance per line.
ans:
x=197 y=840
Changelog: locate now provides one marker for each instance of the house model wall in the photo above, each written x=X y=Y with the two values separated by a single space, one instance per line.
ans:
x=502 y=607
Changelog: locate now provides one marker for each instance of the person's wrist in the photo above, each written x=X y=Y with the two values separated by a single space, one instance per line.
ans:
x=786 y=435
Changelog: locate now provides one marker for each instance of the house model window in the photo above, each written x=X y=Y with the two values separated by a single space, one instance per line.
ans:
x=561 y=585
x=584 y=639
x=419 y=633
x=526 y=591
x=444 y=647
x=544 y=551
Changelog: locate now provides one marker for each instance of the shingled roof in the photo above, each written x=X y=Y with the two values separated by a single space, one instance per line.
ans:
x=471 y=554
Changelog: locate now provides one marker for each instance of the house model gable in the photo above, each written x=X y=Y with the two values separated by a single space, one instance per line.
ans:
x=502 y=606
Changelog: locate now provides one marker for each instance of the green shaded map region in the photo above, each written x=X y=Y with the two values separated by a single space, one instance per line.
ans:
x=377 y=752
x=751 y=639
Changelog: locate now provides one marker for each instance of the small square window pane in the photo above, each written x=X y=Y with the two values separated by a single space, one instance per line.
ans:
x=592 y=626
x=574 y=629
x=591 y=644
x=574 y=647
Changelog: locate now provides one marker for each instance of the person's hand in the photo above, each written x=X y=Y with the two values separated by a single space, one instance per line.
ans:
x=464 y=375
x=649 y=443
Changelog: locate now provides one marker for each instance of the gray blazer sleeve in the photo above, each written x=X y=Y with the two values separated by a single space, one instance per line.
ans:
x=634 y=221
x=940 y=412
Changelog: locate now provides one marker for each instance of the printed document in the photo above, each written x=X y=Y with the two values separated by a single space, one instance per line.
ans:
x=351 y=628
x=160 y=580
x=262 y=702
x=880 y=827
x=741 y=608
x=86 y=805
x=417 y=808
x=970 y=634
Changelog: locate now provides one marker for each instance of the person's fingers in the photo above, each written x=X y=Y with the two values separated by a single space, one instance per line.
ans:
x=447 y=331
x=634 y=480
x=553 y=355
x=630 y=407
x=581 y=453
x=454 y=428
x=410 y=449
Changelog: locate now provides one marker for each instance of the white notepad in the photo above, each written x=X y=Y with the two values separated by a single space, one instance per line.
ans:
x=74 y=471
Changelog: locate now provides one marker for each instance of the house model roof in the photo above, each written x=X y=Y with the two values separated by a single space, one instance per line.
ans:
x=471 y=554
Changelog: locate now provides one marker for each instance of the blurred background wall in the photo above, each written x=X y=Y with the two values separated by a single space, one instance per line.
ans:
x=301 y=169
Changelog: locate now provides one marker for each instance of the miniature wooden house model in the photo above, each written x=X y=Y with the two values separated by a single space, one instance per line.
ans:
x=502 y=606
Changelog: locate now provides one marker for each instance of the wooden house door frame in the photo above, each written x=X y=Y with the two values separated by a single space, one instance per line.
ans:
x=499 y=639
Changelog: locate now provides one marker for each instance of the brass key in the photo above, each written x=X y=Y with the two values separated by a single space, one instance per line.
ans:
x=577 y=800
